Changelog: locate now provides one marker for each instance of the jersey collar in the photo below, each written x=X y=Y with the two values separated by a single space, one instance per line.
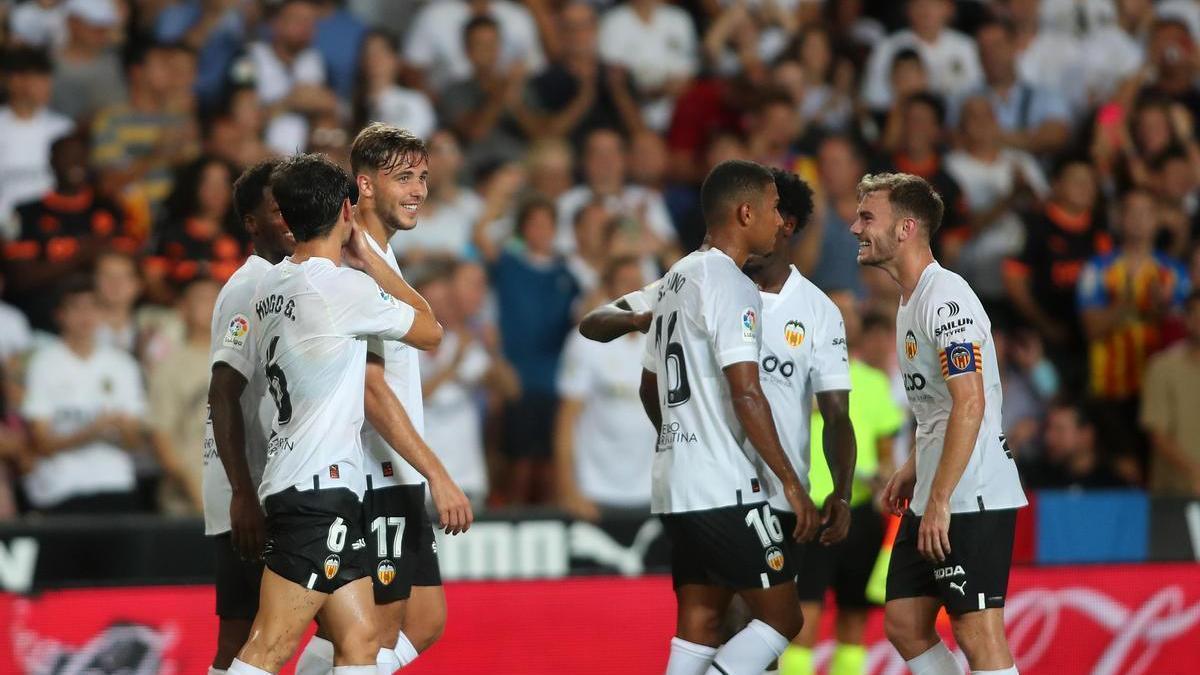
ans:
x=792 y=282
x=922 y=282
x=389 y=255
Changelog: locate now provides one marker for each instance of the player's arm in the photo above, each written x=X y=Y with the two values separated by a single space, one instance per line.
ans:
x=648 y=392
x=962 y=429
x=754 y=412
x=841 y=454
x=609 y=322
x=247 y=523
x=387 y=416
x=425 y=332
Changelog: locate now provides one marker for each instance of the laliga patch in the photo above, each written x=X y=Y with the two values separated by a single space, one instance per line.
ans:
x=775 y=558
x=749 y=324
x=334 y=473
x=388 y=472
x=959 y=358
x=386 y=572
x=793 y=332
x=332 y=564
x=910 y=346
x=235 y=334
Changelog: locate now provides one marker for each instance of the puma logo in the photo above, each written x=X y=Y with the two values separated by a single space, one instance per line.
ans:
x=961 y=588
x=589 y=541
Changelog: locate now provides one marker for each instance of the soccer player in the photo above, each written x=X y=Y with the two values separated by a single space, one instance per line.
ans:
x=959 y=491
x=390 y=168
x=239 y=420
x=310 y=314
x=702 y=391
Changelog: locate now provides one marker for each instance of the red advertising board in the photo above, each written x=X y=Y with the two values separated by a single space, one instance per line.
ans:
x=1105 y=620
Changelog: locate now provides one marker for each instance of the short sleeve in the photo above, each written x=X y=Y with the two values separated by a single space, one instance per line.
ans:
x=38 y=403
x=830 y=370
x=574 y=376
x=641 y=300
x=362 y=309
x=650 y=354
x=1090 y=292
x=957 y=330
x=238 y=346
x=733 y=316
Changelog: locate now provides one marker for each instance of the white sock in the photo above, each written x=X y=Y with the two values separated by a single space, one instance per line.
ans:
x=239 y=667
x=354 y=670
x=386 y=662
x=317 y=657
x=213 y=670
x=749 y=652
x=937 y=660
x=689 y=658
x=405 y=652
x=1012 y=670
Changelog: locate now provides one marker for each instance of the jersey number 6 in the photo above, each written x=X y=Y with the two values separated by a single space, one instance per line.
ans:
x=278 y=384
x=678 y=389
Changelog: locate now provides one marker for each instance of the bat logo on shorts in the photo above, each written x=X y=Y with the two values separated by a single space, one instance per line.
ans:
x=386 y=572
x=775 y=558
x=332 y=565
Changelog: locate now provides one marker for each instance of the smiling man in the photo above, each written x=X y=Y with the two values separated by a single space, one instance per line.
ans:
x=959 y=491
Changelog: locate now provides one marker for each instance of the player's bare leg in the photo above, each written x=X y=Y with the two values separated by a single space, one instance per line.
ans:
x=981 y=637
x=285 y=610
x=910 y=627
x=797 y=660
x=700 y=610
x=426 y=618
x=776 y=621
x=231 y=635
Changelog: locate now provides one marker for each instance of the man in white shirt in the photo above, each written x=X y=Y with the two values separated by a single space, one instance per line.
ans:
x=27 y=130
x=656 y=43
x=959 y=491
x=435 y=41
x=309 y=323
x=85 y=404
x=701 y=389
x=949 y=56
x=391 y=171
x=240 y=415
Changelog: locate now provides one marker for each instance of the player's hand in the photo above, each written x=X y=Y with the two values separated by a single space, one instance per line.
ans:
x=933 y=537
x=453 y=507
x=899 y=490
x=808 y=519
x=835 y=518
x=248 y=525
x=642 y=320
x=357 y=252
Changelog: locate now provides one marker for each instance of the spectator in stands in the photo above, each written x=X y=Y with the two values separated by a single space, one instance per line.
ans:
x=827 y=251
x=290 y=74
x=1030 y=382
x=773 y=127
x=85 y=406
x=235 y=131
x=1175 y=186
x=828 y=94
x=62 y=233
x=87 y=72
x=16 y=338
x=909 y=77
x=1041 y=280
x=600 y=458
x=997 y=182
x=381 y=98
x=450 y=210
x=27 y=129
x=1170 y=399
x=485 y=108
x=551 y=164
x=118 y=287
x=41 y=23
x=743 y=39
x=1125 y=298
x=535 y=294
x=656 y=43
x=950 y=57
x=436 y=42
x=1032 y=118
x=178 y=391
x=215 y=30
x=1045 y=56
x=578 y=93
x=1171 y=57
x=339 y=38
x=199 y=234
x=137 y=143
x=1070 y=457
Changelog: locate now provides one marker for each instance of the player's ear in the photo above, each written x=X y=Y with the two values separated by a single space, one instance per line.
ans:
x=744 y=213
x=365 y=188
x=347 y=210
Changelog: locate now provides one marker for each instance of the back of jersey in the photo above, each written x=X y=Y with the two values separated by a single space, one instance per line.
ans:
x=311 y=316
x=706 y=317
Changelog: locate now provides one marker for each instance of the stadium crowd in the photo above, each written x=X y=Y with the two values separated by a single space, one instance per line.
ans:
x=567 y=139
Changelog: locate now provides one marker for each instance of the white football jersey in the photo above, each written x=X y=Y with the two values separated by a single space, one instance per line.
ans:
x=803 y=353
x=233 y=344
x=706 y=317
x=402 y=371
x=310 y=318
x=943 y=332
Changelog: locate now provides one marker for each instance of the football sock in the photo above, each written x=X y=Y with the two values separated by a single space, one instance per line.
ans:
x=242 y=668
x=386 y=661
x=213 y=670
x=405 y=652
x=749 y=652
x=937 y=660
x=354 y=670
x=317 y=657
x=689 y=658
x=1007 y=671
x=796 y=660
x=848 y=660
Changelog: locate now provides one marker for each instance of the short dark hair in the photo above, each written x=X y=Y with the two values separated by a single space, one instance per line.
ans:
x=27 y=60
x=1065 y=162
x=310 y=190
x=908 y=54
x=1083 y=415
x=910 y=196
x=996 y=21
x=478 y=22
x=529 y=206
x=930 y=100
x=795 y=197
x=137 y=52
x=386 y=148
x=729 y=181
x=248 y=188
x=74 y=285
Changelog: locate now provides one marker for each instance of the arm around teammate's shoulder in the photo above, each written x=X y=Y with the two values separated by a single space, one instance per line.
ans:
x=400 y=313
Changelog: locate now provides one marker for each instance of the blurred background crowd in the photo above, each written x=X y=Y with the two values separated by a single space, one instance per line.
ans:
x=567 y=142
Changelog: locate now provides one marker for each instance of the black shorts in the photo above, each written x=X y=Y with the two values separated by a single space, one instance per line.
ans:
x=975 y=574
x=400 y=510
x=845 y=566
x=736 y=547
x=238 y=581
x=315 y=537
